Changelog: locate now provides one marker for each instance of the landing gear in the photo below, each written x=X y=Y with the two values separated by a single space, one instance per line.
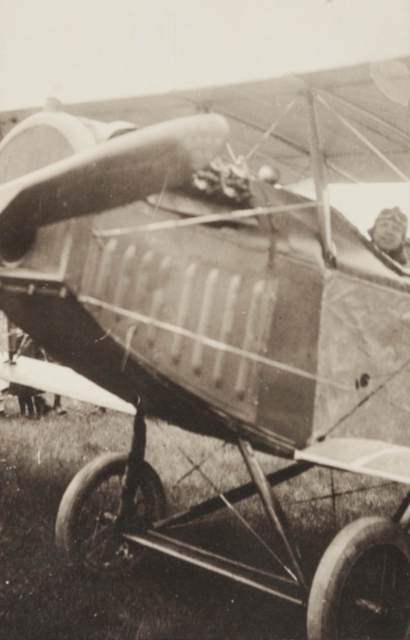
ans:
x=114 y=494
x=361 y=588
x=88 y=530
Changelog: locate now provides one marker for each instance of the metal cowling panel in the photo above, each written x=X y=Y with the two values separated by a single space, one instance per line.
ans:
x=58 y=251
x=214 y=300
x=364 y=353
x=287 y=392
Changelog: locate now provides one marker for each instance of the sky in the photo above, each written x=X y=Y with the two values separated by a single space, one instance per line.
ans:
x=80 y=50
x=88 y=49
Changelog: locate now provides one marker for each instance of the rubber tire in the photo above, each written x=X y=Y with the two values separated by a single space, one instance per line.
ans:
x=337 y=563
x=85 y=483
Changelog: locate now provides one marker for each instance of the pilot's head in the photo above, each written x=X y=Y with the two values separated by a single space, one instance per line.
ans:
x=389 y=232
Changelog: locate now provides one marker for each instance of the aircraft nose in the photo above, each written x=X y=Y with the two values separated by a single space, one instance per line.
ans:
x=112 y=174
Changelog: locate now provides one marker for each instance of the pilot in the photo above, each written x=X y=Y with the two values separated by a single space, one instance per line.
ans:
x=389 y=234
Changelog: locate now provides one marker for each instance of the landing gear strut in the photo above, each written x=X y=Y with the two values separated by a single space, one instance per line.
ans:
x=113 y=494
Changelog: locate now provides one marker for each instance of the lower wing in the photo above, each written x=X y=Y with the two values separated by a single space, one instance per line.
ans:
x=359 y=455
x=60 y=380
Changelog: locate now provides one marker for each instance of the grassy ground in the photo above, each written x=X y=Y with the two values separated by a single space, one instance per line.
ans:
x=41 y=598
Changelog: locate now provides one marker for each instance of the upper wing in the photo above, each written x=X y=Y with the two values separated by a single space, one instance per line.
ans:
x=355 y=118
x=365 y=102
x=63 y=381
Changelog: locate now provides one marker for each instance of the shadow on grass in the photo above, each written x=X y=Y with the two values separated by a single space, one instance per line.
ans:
x=41 y=598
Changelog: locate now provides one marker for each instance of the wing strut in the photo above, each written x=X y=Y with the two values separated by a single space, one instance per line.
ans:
x=368 y=144
x=322 y=194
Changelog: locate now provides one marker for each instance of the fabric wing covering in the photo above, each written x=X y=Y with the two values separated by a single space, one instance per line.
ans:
x=61 y=380
x=367 y=457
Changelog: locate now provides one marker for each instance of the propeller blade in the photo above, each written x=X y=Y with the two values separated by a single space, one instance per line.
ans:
x=393 y=79
x=112 y=174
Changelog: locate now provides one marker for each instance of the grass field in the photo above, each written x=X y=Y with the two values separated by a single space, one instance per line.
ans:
x=41 y=598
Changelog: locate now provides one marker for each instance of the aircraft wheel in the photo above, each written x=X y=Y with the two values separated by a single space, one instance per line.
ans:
x=86 y=528
x=361 y=588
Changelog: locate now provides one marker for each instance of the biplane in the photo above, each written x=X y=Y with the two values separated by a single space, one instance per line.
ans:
x=180 y=274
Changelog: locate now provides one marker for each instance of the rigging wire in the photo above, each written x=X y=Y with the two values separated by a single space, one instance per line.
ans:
x=321 y=436
x=230 y=506
x=269 y=131
x=206 y=219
